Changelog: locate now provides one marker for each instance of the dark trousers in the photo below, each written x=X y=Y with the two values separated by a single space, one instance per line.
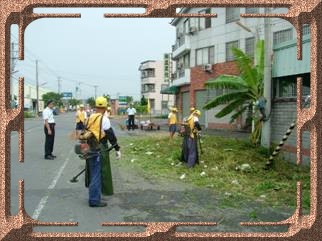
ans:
x=95 y=181
x=49 y=142
x=131 y=122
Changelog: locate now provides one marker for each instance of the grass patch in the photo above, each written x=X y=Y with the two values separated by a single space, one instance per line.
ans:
x=28 y=114
x=155 y=156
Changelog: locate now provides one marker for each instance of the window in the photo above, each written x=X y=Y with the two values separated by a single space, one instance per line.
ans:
x=164 y=86
x=250 y=46
x=152 y=103
x=251 y=10
x=186 y=60
x=205 y=55
x=285 y=87
x=164 y=104
x=229 y=52
x=148 y=73
x=306 y=29
x=232 y=15
x=186 y=26
x=204 y=22
x=148 y=88
x=282 y=36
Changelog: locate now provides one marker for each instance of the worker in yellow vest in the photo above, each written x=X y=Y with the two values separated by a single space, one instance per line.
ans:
x=99 y=125
x=172 y=122
x=81 y=117
x=190 y=143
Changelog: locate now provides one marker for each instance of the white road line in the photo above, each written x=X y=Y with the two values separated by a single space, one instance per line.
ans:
x=40 y=207
x=53 y=183
x=44 y=199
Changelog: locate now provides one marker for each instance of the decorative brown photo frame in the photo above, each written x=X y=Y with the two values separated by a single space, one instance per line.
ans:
x=20 y=227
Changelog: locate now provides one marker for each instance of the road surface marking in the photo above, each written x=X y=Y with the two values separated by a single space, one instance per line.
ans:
x=44 y=199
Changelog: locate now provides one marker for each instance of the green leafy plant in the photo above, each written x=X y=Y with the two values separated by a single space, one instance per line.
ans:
x=246 y=88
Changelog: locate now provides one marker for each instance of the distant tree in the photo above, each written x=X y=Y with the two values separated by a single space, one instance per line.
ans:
x=141 y=109
x=107 y=96
x=129 y=99
x=144 y=101
x=74 y=102
x=91 y=102
x=57 y=98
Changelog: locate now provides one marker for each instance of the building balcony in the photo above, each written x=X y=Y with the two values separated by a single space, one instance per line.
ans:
x=150 y=64
x=148 y=80
x=182 y=78
x=181 y=47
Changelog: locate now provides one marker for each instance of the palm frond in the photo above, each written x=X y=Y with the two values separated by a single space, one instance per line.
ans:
x=231 y=107
x=238 y=113
x=260 y=54
x=226 y=82
x=246 y=67
x=225 y=98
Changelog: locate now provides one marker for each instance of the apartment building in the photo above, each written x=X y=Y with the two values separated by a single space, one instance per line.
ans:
x=202 y=51
x=155 y=77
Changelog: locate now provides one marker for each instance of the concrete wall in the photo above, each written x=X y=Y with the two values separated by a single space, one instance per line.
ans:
x=283 y=114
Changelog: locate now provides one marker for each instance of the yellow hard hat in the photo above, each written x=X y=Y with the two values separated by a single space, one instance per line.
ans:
x=101 y=102
x=192 y=109
x=109 y=108
x=174 y=109
x=197 y=112
x=81 y=106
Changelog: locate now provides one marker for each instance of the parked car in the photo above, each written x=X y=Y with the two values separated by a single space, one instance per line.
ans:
x=55 y=111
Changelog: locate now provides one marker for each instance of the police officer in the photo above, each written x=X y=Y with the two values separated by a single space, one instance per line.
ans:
x=49 y=129
x=100 y=126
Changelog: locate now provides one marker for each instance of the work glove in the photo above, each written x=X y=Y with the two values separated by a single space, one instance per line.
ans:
x=118 y=155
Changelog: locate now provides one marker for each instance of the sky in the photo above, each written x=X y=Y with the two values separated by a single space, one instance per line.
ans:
x=92 y=50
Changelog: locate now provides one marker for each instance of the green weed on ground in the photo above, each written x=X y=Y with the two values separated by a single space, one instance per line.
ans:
x=232 y=168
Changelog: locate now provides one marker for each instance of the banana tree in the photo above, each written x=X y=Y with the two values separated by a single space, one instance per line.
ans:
x=246 y=88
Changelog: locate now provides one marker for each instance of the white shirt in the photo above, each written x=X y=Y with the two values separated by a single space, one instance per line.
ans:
x=106 y=124
x=48 y=114
x=131 y=111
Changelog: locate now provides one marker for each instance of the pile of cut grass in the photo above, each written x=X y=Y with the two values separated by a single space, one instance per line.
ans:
x=155 y=156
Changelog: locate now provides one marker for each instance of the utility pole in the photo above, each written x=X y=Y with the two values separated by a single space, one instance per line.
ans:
x=266 y=130
x=95 y=87
x=12 y=71
x=59 y=85
x=37 y=89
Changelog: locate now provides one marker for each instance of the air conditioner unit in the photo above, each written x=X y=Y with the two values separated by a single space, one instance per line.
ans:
x=207 y=68
x=192 y=30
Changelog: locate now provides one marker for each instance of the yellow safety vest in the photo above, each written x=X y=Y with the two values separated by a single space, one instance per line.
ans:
x=94 y=125
x=80 y=116
x=173 y=118
x=191 y=124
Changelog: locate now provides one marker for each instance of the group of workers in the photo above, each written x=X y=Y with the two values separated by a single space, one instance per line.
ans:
x=99 y=125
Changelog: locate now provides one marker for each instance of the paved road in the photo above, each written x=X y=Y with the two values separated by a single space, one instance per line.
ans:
x=49 y=196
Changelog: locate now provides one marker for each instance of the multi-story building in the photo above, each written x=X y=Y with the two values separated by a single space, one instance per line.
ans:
x=30 y=96
x=202 y=51
x=156 y=76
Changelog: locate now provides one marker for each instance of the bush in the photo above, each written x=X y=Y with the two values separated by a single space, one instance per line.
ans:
x=28 y=114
